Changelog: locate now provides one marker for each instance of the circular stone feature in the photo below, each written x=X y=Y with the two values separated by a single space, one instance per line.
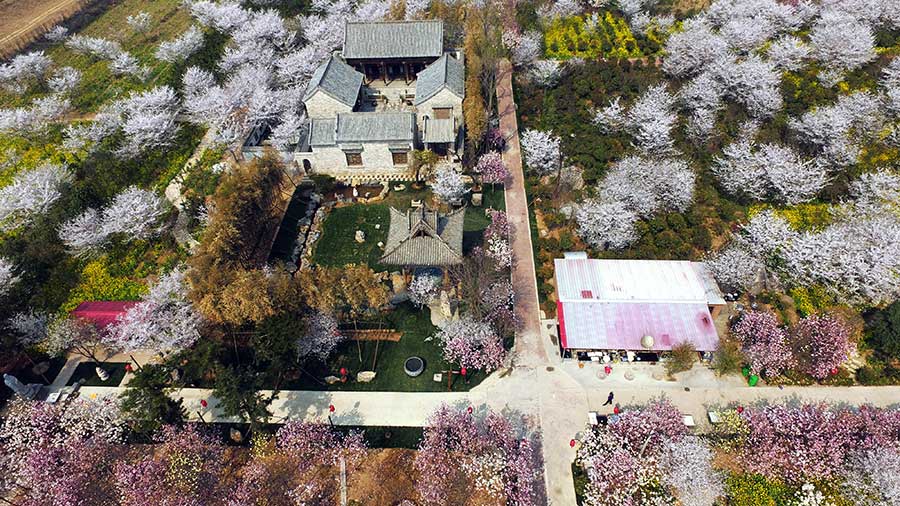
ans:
x=414 y=366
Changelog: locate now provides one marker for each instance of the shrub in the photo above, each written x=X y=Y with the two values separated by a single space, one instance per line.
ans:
x=756 y=490
x=728 y=358
x=682 y=358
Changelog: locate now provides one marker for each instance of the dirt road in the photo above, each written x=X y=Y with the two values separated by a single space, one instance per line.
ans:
x=21 y=21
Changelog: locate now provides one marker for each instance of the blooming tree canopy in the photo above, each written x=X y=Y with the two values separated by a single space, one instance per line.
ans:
x=541 y=151
x=472 y=344
x=448 y=183
x=31 y=194
x=822 y=344
x=765 y=343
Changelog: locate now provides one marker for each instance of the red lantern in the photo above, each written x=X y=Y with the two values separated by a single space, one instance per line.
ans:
x=740 y=409
x=469 y=410
x=203 y=402
x=572 y=443
x=616 y=409
x=331 y=408
x=834 y=371
x=463 y=371
x=607 y=370
x=128 y=368
x=343 y=371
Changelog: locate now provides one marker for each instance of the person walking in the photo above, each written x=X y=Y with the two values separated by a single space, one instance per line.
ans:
x=609 y=399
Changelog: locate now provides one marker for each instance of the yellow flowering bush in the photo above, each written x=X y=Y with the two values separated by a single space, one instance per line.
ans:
x=96 y=283
x=594 y=36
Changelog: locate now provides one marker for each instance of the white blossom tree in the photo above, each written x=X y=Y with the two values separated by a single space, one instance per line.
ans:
x=448 y=183
x=58 y=33
x=770 y=172
x=606 y=225
x=541 y=151
x=24 y=70
x=687 y=467
x=524 y=48
x=873 y=477
x=31 y=194
x=755 y=84
x=651 y=118
x=320 y=336
x=30 y=327
x=766 y=234
x=423 y=289
x=164 y=321
x=139 y=22
x=34 y=119
x=647 y=185
x=471 y=344
x=841 y=43
x=693 y=49
x=64 y=80
x=74 y=334
x=415 y=8
x=148 y=120
x=182 y=47
x=8 y=276
x=735 y=267
x=788 y=53
x=836 y=130
x=135 y=212
x=83 y=234
x=545 y=73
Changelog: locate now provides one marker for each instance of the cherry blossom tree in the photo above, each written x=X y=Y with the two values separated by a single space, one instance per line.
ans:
x=465 y=452
x=693 y=49
x=769 y=172
x=735 y=267
x=164 y=321
x=545 y=73
x=187 y=463
x=8 y=276
x=448 y=183
x=83 y=235
x=647 y=185
x=525 y=48
x=647 y=428
x=541 y=151
x=606 y=225
x=822 y=344
x=492 y=169
x=836 y=129
x=788 y=53
x=497 y=307
x=320 y=336
x=74 y=334
x=423 y=289
x=148 y=120
x=32 y=193
x=57 y=34
x=64 y=80
x=24 y=70
x=496 y=239
x=841 y=43
x=687 y=467
x=873 y=477
x=66 y=474
x=135 y=212
x=310 y=445
x=612 y=469
x=765 y=343
x=182 y=47
x=139 y=22
x=35 y=119
x=472 y=344
x=30 y=327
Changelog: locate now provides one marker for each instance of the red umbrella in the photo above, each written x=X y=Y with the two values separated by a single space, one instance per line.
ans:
x=203 y=402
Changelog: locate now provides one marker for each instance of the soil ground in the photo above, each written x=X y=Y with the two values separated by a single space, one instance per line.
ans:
x=21 y=21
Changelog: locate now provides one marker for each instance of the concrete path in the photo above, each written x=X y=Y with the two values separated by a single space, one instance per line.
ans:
x=529 y=349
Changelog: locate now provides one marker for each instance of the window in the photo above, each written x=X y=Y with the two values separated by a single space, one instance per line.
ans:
x=354 y=159
x=442 y=112
x=399 y=157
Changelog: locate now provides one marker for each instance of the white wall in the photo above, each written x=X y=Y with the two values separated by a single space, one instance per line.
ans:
x=322 y=105
x=443 y=98
x=332 y=160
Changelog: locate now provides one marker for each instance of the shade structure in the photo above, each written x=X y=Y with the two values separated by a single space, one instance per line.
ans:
x=101 y=313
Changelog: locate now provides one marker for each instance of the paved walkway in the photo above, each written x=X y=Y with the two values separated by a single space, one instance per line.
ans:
x=529 y=349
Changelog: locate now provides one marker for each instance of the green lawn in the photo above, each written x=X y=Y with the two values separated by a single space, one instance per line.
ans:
x=85 y=370
x=416 y=326
x=337 y=246
x=477 y=220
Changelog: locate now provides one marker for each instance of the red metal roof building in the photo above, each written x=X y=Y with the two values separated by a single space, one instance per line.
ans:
x=615 y=304
x=101 y=313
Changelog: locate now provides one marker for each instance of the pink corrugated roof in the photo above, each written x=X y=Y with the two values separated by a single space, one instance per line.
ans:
x=102 y=312
x=621 y=325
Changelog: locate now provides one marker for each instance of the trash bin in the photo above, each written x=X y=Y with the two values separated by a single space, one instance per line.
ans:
x=753 y=380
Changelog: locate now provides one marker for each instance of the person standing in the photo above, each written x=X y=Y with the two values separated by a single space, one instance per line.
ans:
x=609 y=399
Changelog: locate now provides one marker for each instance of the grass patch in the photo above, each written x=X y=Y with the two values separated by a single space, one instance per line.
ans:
x=85 y=371
x=581 y=482
x=476 y=217
x=402 y=200
x=337 y=245
x=416 y=326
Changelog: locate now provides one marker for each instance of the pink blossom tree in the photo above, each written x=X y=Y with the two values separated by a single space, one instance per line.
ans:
x=687 y=468
x=765 y=343
x=472 y=344
x=496 y=239
x=492 y=169
x=318 y=444
x=821 y=344
x=423 y=289
x=467 y=451
x=185 y=469
x=648 y=427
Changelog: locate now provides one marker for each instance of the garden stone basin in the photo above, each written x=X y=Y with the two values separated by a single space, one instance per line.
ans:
x=413 y=366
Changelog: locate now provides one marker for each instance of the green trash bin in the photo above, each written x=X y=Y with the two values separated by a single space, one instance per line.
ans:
x=753 y=380
x=745 y=371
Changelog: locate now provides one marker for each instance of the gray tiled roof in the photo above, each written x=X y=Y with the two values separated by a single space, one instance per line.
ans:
x=446 y=72
x=422 y=237
x=439 y=130
x=375 y=127
x=321 y=132
x=339 y=80
x=393 y=39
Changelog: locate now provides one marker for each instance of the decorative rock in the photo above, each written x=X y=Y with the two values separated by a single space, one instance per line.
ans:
x=103 y=374
x=446 y=309
x=29 y=391
x=477 y=199
x=602 y=375
x=360 y=236
x=380 y=244
x=235 y=435
x=378 y=226
x=437 y=377
x=398 y=282
x=331 y=380
x=365 y=376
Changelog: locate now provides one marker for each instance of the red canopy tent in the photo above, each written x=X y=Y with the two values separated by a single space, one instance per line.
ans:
x=101 y=313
